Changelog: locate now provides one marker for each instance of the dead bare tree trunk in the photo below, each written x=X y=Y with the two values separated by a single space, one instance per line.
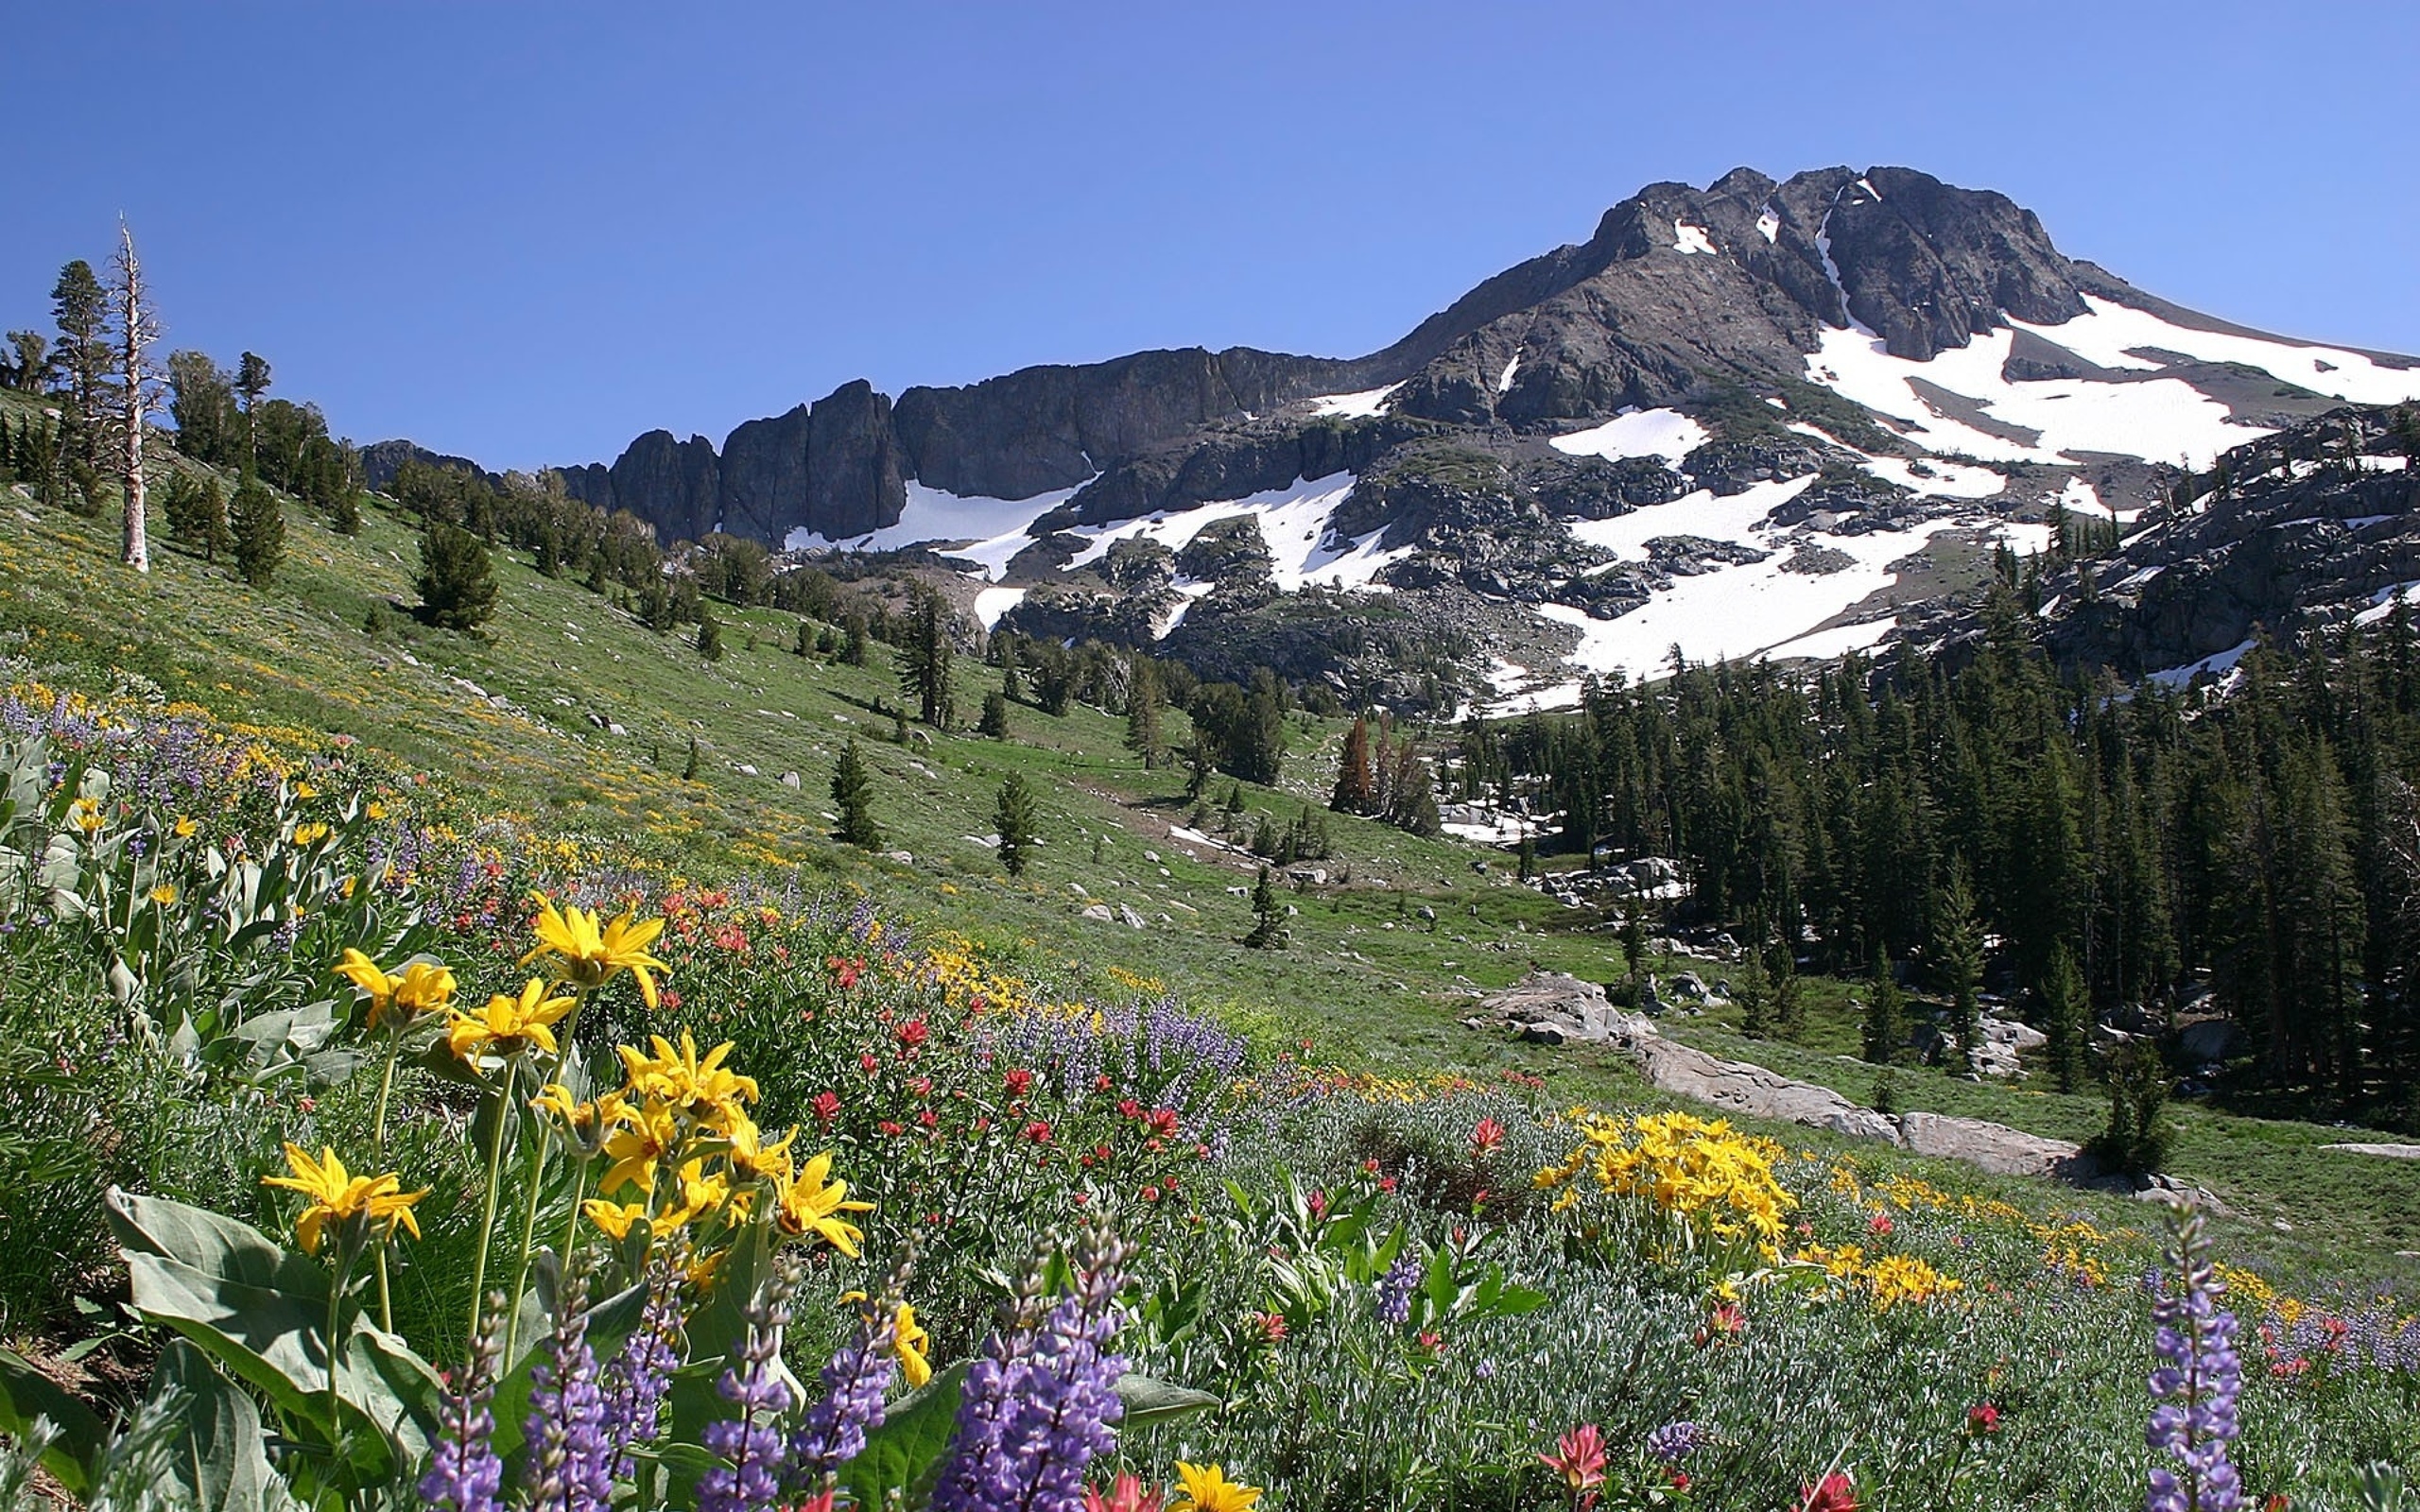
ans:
x=138 y=327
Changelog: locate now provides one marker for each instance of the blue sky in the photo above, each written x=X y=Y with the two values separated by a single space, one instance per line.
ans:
x=528 y=232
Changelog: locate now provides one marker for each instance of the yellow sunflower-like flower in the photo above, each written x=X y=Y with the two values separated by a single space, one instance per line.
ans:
x=421 y=987
x=165 y=895
x=812 y=1203
x=702 y=1193
x=336 y=1194
x=587 y=952
x=1206 y=1488
x=699 y=1086
x=310 y=833
x=613 y=1219
x=644 y=1138
x=751 y=1158
x=510 y=1025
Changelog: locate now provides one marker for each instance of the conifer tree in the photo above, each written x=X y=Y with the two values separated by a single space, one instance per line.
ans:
x=1268 y=928
x=81 y=357
x=854 y=649
x=853 y=796
x=689 y=767
x=458 y=587
x=138 y=326
x=251 y=381
x=923 y=658
x=1356 y=789
x=1013 y=816
x=2066 y=1019
x=1144 y=701
x=995 y=723
x=709 y=636
x=804 y=643
x=258 y=523
x=1884 y=1030
x=1958 y=955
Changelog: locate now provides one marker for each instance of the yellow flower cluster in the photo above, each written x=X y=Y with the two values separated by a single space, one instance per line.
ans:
x=681 y=1151
x=1714 y=1181
x=1891 y=1280
x=958 y=968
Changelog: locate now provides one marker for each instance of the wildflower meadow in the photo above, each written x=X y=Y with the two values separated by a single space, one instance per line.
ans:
x=365 y=1151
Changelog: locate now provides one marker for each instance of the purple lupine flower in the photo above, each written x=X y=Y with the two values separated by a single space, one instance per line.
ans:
x=835 y=1430
x=1043 y=1401
x=1675 y=1441
x=2196 y=1384
x=464 y=1473
x=1394 y=1291
x=750 y=1479
x=571 y=1464
x=637 y=1379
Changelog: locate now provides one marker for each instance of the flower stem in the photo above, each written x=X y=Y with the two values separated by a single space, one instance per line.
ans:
x=378 y=1135
x=537 y=1174
x=487 y=1223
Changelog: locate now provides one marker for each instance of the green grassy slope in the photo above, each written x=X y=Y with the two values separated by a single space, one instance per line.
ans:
x=525 y=715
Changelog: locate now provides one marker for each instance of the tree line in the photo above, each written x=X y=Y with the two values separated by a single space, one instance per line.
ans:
x=2094 y=849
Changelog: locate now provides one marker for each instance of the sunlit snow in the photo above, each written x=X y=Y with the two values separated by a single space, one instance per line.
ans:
x=1690 y=239
x=2216 y=663
x=1504 y=380
x=1769 y=224
x=1665 y=433
x=991 y=603
x=989 y=531
x=1368 y=401
x=1293 y=522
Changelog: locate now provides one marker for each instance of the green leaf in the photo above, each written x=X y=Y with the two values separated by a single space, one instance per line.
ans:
x=220 y=1459
x=909 y=1446
x=1157 y=1401
x=27 y=1393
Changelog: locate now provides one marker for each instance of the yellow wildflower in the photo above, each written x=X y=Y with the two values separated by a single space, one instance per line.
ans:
x=85 y=813
x=587 y=952
x=421 y=987
x=510 y=1025
x=613 y=1219
x=812 y=1203
x=1206 y=1488
x=186 y=828
x=165 y=894
x=701 y=1194
x=646 y=1136
x=912 y=1345
x=751 y=1158
x=337 y=1193
x=310 y=833
x=305 y=791
x=698 y=1086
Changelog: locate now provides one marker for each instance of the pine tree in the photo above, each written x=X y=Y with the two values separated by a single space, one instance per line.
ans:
x=1144 y=700
x=257 y=521
x=1268 y=928
x=1356 y=785
x=854 y=650
x=1753 y=990
x=251 y=381
x=709 y=636
x=1014 y=817
x=1884 y=1030
x=458 y=587
x=805 y=643
x=2066 y=1019
x=138 y=326
x=689 y=767
x=81 y=355
x=852 y=795
x=2136 y=1138
x=995 y=723
x=923 y=658
x=1958 y=956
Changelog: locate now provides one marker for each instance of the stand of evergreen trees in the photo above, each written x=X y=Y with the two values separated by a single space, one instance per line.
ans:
x=2115 y=847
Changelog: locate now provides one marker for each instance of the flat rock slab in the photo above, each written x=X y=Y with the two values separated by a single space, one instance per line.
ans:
x=1550 y=1007
x=2392 y=1152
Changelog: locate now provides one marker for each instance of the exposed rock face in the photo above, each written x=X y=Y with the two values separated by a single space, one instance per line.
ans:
x=2309 y=524
x=855 y=481
x=764 y=475
x=676 y=484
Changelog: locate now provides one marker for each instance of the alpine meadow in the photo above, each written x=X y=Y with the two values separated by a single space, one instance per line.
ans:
x=1772 y=864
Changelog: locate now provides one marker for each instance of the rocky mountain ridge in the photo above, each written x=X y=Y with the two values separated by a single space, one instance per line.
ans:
x=1767 y=417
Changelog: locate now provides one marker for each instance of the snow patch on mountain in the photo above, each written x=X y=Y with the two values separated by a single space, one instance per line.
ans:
x=1293 y=522
x=1504 y=380
x=1367 y=402
x=991 y=603
x=1688 y=239
x=989 y=531
x=1661 y=433
x=2112 y=333
x=2217 y=663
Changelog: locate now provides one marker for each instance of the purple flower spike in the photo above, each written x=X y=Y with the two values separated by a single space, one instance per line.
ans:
x=854 y=1383
x=748 y=1442
x=1394 y=1291
x=1675 y=1441
x=2196 y=1384
x=464 y=1474
x=637 y=1379
x=1043 y=1401
x=571 y=1467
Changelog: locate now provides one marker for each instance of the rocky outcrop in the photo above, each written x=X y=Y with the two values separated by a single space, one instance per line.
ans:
x=676 y=484
x=1550 y=1007
x=855 y=480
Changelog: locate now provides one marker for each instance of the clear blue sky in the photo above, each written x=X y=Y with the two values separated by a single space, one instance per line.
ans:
x=528 y=232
